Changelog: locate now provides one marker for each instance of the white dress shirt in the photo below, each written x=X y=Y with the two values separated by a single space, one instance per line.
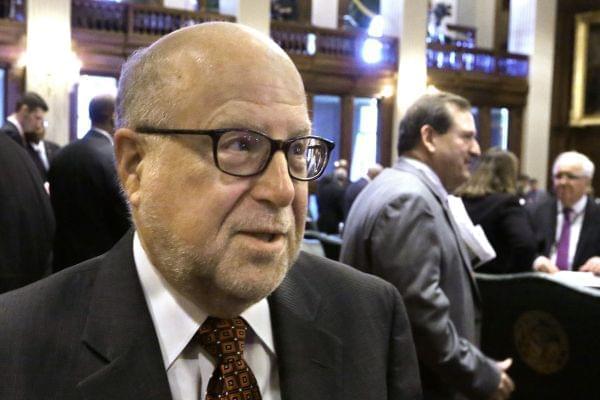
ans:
x=41 y=150
x=429 y=173
x=176 y=321
x=577 y=212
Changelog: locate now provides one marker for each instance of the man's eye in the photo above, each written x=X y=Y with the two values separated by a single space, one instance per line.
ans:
x=298 y=148
x=240 y=143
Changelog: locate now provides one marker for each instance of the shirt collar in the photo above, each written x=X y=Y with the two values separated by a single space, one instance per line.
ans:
x=429 y=173
x=176 y=319
x=577 y=208
x=39 y=146
x=104 y=133
x=13 y=119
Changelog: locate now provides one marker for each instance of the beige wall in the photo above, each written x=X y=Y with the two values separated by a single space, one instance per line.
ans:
x=536 y=130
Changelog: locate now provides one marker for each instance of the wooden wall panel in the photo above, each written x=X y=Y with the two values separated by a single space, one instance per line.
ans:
x=564 y=137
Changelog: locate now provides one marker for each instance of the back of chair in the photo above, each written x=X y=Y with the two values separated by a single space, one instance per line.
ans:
x=550 y=329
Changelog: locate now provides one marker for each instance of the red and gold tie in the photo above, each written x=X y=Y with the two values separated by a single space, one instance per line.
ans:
x=232 y=379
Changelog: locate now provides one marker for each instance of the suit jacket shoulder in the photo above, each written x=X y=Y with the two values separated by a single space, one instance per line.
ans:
x=341 y=331
x=27 y=227
x=11 y=130
x=83 y=333
x=402 y=231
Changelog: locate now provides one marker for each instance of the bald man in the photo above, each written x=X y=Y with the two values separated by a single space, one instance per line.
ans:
x=208 y=296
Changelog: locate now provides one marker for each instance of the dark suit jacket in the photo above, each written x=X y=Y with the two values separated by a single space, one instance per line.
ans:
x=91 y=214
x=51 y=151
x=86 y=333
x=11 y=130
x=401 y=229
x=330 y=199
x=507 y=227
x=26 y=219
x=544 y=223
x=352 y=191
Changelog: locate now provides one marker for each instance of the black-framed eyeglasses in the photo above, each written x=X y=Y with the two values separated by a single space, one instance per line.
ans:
x=244 y=152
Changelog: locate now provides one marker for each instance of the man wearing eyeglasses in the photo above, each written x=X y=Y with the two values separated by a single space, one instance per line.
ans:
x=568 y=226
x=209 y=298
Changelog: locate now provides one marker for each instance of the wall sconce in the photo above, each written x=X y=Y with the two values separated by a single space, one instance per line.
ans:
x=386 y=91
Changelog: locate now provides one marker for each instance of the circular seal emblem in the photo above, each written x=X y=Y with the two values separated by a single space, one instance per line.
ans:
x=541 y=342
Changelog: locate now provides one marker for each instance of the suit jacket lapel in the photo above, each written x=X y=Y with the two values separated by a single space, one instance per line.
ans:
x=550 y=212
x=586 y=234
x=309 y=357
x=406 y=167
x=120 y=331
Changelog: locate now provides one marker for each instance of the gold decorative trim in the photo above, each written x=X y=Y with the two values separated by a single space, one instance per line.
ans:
x=578 y=117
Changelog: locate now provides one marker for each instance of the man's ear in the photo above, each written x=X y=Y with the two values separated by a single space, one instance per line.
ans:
x=427 y=138
x=129 y=154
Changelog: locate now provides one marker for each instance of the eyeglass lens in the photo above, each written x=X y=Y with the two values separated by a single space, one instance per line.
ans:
x=245 y=153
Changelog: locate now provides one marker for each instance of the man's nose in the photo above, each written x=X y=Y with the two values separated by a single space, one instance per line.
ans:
x=475 y=149
x=275 y=184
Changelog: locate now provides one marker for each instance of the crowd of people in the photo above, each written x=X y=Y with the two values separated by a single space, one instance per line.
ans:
x=70 y=208
x=171 y=234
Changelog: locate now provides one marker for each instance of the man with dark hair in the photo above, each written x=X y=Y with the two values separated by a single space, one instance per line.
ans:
x=209 y=296
x=91 y=214
x=28 y=117
x=401 y=229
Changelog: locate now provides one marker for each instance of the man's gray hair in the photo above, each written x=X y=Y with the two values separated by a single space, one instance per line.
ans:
x=575 y=157
x=144 y=95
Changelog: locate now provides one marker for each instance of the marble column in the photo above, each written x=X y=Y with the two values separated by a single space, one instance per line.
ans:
x=51 y=67
x=536 y=130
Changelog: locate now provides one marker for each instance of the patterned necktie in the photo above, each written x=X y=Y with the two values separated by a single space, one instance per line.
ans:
x=562 y=250
x=232 y=379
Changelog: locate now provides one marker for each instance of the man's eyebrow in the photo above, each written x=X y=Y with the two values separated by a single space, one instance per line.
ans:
x=302 y=132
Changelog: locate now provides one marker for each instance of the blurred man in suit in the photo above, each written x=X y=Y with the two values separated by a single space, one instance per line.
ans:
x=330 y=198
x=91 y=214
x=401 y=229
x=202 y=301
x=41 y=151
x=568 y=226
x=26 y=219
x=357 y=186
x=28 y=117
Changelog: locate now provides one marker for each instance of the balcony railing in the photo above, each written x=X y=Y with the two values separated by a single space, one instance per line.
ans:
x=296 y=39
x=13 y=10
x=135 y=18
x=309 y=41
x=452 y=58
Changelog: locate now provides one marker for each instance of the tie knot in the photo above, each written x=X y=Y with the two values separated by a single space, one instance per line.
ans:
x=567 y=213
x=223 y=338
